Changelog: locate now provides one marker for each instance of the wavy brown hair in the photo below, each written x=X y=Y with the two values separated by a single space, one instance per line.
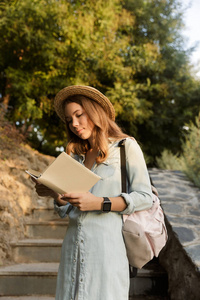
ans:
x=104 y=128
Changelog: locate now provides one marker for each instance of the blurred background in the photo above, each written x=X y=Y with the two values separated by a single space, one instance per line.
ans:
x=142 y=54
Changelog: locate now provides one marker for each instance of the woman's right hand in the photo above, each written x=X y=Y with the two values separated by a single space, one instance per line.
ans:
x=43 y=191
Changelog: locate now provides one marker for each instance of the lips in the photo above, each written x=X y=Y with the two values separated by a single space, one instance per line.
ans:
x=79 y=131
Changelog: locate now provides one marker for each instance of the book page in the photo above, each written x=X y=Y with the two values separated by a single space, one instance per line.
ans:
x=66 y=175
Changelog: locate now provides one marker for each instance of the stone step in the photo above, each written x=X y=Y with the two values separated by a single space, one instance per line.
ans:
x=152 y=279
x=45 y=213
x=149 y=282
x=28 y=298
x=40 y=279
x=53 y=298
x=28 y=279
x=54 y=229
x=36 y=250
x=146 y=297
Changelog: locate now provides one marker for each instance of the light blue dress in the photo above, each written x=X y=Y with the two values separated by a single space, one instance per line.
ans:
x=94 y=264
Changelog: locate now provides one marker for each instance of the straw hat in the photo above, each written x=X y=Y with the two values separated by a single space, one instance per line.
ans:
x=87 y=91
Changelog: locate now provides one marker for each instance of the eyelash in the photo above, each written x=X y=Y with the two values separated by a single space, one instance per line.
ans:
x=78 y=116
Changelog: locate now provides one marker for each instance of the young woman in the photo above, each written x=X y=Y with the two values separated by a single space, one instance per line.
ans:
x=94 y=265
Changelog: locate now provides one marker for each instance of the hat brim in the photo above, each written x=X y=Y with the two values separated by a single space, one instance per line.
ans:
x=87 y=91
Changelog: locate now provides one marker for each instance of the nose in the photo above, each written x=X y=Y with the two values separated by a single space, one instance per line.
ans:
x=75 y=122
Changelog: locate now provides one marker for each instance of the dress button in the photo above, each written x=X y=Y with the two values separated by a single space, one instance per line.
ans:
x=81 y=280
x=82 y=241
x=82 y=260
x=74 y=260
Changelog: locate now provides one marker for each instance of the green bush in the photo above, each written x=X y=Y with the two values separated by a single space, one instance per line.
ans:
x=190 y=158
x=168 y=161
x=189 y=161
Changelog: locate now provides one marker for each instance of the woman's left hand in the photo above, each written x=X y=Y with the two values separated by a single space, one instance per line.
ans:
x=83 y=201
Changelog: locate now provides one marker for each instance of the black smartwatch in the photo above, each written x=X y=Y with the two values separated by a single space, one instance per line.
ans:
x=106 y=205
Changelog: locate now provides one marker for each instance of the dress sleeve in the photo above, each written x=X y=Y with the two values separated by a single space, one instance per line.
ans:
x=139 y=196
x=63 y=210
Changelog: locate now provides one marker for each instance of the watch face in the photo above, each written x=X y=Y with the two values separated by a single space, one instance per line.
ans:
x=106 y=206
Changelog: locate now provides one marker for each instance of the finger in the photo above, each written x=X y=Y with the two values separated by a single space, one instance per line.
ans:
x=42 y=188
x=68 y=195
x=34 y=180
x=75 y=195
x=74 y=202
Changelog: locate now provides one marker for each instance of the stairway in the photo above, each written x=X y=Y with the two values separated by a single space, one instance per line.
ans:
x=37 y=258
x=151 y=283
x=33 y=276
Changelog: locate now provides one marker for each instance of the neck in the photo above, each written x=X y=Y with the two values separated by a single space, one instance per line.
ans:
x=92 y=142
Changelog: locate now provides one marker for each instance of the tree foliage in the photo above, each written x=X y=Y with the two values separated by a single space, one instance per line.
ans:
x=160 y=75
x=131 y=50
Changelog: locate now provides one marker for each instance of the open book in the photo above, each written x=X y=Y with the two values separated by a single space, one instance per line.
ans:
x=65 y=175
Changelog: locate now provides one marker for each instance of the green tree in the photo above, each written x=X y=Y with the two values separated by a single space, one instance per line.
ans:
x=46 y=45
x=130 y=50
x=161 y=84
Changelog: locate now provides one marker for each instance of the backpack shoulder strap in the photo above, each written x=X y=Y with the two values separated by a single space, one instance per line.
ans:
x=123 y=164
x=123 y=169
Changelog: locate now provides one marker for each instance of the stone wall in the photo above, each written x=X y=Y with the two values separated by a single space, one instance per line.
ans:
x=180 y=257
x=183 y=274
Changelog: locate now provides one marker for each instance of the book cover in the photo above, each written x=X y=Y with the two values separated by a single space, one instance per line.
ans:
x=65 y=175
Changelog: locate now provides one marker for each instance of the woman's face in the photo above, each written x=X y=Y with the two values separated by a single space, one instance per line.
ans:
x=78 y=120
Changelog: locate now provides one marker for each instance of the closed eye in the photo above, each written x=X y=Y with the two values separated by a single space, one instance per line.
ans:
x=78 y=116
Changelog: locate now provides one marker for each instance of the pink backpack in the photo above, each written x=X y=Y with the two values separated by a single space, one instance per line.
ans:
x=144 y=232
